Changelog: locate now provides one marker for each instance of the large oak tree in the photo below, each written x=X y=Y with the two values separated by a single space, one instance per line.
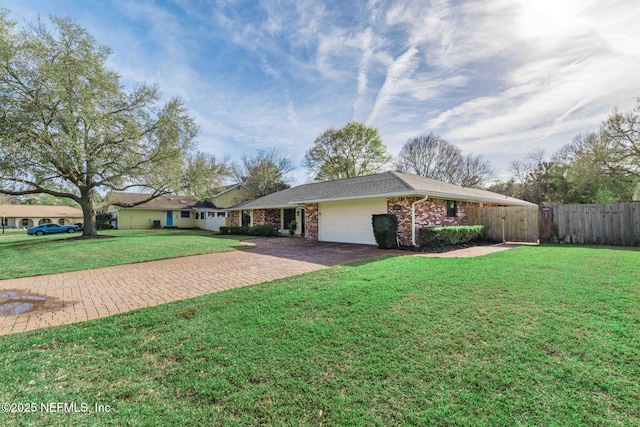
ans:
x=69 y=128
x=353 y=150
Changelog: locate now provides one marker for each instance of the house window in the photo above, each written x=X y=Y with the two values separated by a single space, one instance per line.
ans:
x=44 y=221
x=185 y=214
x=24 y=222
x=221 y=214
x=61 y=221
x=452 y=208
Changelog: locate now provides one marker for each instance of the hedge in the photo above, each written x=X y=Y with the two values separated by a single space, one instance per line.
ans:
x=385 y=229
x=257 y=230
x=261 y=230
x=455 y=235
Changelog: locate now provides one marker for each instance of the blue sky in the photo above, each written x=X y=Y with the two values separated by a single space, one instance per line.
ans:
x=495 y=77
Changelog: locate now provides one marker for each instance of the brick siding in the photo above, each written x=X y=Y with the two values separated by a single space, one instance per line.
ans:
x=311 y=222
x=234 y=219
x=267 y=216
x=430 y=213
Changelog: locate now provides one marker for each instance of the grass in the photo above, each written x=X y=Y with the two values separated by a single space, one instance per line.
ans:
x=24 y=255
x=544 y=336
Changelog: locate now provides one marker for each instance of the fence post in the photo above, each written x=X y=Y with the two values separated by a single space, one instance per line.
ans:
x=504 y=218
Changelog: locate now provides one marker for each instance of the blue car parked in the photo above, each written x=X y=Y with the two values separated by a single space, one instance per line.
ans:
x=39 y=230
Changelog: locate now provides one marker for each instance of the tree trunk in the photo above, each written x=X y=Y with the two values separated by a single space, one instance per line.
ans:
x=89 y=214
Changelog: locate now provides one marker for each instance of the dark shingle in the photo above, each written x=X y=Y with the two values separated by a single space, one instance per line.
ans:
x=377 y=185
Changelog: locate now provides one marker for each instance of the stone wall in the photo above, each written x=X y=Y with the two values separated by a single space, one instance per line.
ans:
x=267 y=216
x=234 y=219
x=311 y=222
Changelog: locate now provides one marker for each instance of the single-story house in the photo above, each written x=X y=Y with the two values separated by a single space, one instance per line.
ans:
x=17 y=216
x=175 y=211
x=341 y=210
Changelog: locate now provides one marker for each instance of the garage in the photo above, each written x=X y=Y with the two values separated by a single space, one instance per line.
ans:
x=349 y=221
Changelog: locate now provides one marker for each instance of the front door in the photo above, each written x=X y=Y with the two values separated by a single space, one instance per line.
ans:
x=169 y=218
x=246 y=218
x=288 y=215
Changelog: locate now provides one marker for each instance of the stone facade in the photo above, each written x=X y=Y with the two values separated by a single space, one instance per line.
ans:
x=430 y=213
x=267 y=216
x=234 y=219
x=311 y=222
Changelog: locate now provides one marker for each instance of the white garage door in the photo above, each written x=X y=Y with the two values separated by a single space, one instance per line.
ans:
x=349 y=222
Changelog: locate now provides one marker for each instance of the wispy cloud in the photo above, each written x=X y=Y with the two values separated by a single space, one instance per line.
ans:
x=496 y=77
x=401 y=69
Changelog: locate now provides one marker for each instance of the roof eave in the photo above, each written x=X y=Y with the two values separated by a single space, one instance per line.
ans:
x=431 y=194
x=241 y=208
x=507 y=201
x=364 y=196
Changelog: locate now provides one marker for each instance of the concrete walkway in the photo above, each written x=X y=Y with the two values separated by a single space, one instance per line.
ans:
x=57 y=299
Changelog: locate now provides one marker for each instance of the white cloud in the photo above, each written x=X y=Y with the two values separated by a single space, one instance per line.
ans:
x=401 y=69
x=496 y=77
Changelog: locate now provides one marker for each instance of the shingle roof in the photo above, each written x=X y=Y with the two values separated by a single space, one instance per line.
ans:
x=387 y=184
x=205 y=204
x=37 y=211
x=166 y=202
x=443 y=190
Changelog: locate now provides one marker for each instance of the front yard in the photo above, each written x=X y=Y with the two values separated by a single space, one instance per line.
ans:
x=531 y=336
x=24 y=255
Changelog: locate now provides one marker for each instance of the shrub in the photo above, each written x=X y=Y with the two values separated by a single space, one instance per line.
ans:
x=261 y=230
x=238 y=230
x=445 y=236
x=103 y=221
x=292 y=227
x=225 y=230
x=385 y=229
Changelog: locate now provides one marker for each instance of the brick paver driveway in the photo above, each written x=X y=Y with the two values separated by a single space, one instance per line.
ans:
x=83 y=295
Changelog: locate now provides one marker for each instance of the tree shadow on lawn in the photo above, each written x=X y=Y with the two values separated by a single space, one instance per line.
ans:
x=23 y=245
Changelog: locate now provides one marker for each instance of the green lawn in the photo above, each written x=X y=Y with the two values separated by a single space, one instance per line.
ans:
x=535 y=336
x=24 y=255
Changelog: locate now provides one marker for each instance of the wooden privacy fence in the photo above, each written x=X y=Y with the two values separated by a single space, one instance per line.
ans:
x=609 y=224
x=509 y=224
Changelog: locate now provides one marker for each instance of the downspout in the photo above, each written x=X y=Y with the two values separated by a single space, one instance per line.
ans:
x=413 y=219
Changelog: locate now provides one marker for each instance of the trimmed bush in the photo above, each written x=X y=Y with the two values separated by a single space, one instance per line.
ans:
x=261 y=230
x=239 y=230
x=225 y=230
x=433 y=237
x=385 y=229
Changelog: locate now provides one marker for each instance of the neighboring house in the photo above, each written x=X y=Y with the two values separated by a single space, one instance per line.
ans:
x=340 y=211
x=17 y=216
x=231 y=195
x=175 y=211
